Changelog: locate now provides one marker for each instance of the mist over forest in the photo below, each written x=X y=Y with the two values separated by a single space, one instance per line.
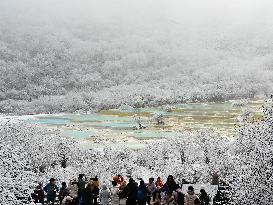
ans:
x=67 y=56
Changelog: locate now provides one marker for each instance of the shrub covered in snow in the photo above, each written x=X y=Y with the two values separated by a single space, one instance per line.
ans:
x=30 y=155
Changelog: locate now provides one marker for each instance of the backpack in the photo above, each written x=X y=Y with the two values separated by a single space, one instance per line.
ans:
x=52 y=190
x=140 y=194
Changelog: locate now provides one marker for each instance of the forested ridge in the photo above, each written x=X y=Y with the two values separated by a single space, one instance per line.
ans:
x=57 y=59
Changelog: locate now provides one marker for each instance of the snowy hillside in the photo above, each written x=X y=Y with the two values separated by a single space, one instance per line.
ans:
x=64 y=57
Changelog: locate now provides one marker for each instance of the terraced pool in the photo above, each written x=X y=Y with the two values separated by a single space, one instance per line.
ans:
x=123 y=124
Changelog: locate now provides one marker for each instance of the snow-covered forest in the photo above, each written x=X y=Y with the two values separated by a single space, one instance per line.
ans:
x=31 y=155
x=66 y=56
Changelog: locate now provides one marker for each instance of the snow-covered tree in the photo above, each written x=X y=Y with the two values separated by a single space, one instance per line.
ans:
x=253 y=177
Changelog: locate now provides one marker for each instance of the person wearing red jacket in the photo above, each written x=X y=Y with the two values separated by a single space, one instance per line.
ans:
x=119 y=179
x=159 y=183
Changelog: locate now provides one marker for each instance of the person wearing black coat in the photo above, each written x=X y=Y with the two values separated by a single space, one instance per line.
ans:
x=204 y=198
x=131 y=192
x=170 y=186
x=88 y=195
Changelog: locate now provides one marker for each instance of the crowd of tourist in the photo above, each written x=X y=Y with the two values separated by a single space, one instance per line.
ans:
x=92 y=192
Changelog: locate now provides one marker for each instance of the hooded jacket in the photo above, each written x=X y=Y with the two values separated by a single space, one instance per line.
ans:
x=104 y=195
x=114 y=195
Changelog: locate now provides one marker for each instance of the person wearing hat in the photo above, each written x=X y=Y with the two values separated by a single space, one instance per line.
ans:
x=190 y=196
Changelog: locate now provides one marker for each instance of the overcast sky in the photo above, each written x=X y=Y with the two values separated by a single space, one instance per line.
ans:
x=190 y=10
x=205 y=19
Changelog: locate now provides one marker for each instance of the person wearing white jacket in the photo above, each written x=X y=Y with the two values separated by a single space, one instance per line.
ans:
x=104 y=195
x=114 y=194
